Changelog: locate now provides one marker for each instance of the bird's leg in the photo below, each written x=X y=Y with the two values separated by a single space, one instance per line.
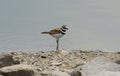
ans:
x=57 y=48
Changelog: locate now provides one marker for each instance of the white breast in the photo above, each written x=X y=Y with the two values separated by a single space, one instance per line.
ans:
x=57 y=35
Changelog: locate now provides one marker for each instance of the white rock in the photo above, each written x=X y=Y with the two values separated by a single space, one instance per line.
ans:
x=107 y=73
x=54 y=73
x=99 y=66
x=55 y=63
x=18 y=70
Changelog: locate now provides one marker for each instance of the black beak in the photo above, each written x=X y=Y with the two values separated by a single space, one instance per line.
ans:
x=66 y=28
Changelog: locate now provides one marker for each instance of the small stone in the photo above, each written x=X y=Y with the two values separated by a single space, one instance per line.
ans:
x=43 y=57
x=54 y=73
x=56 y=64
x=39 y=69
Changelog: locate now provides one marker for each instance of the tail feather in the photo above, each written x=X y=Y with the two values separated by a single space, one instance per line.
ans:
x=44 y=32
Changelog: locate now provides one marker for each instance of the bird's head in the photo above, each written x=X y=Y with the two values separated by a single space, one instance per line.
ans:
x=64 y=26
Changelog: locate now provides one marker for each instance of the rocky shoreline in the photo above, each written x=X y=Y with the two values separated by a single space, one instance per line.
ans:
x=51 y=63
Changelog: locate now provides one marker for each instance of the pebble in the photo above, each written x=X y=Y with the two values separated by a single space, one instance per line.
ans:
x=56 y=64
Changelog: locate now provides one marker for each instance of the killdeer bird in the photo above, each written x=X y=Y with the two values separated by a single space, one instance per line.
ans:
x=57 y=33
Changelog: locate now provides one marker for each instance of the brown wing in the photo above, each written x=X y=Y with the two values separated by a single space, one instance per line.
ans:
x=55 y=31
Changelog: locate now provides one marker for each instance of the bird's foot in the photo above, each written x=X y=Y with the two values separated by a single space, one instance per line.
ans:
x=58 y=51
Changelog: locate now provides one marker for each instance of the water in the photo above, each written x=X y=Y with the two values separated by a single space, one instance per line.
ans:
x=92 y=24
